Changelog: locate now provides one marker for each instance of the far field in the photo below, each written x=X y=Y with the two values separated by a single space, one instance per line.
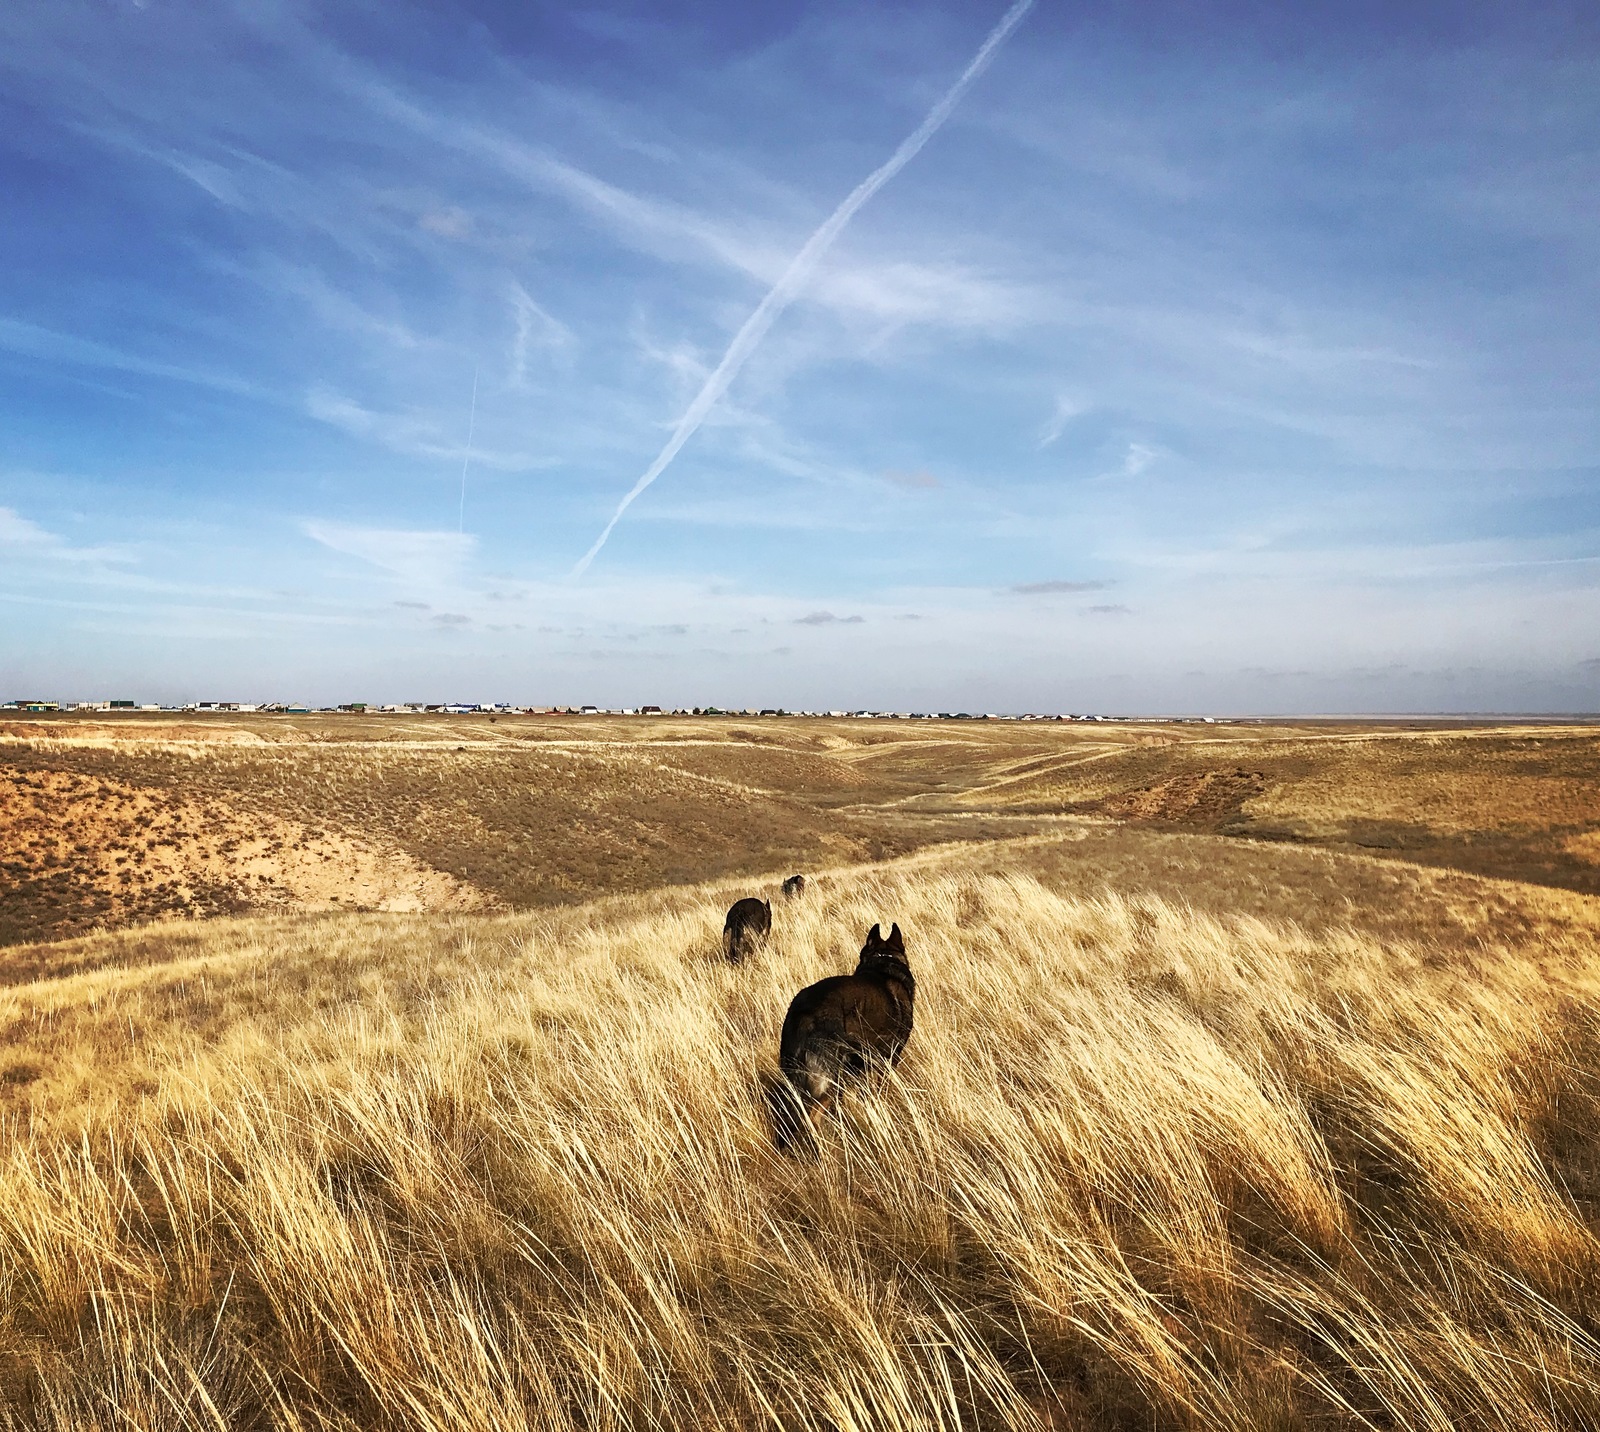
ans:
x=113 y=822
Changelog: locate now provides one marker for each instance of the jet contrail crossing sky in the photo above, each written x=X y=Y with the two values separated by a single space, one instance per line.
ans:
x=800 y=269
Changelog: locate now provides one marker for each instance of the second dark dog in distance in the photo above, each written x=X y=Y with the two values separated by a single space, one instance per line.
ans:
x=749 y=922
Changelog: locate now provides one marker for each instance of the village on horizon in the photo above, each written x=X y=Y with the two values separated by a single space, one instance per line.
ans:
x=494 y=708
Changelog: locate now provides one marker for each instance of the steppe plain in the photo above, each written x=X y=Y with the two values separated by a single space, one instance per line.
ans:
x=380 y=1071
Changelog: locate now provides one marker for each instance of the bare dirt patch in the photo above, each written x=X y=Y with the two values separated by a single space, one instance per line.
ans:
x=79 y=851
x=1200 y=798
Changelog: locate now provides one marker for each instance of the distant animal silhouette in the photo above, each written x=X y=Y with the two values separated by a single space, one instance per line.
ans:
x=794 y=887
x=837 y=1030
x=748 y=923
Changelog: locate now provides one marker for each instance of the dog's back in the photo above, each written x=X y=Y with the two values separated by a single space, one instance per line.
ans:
x=839 y=1028
x=749 y=921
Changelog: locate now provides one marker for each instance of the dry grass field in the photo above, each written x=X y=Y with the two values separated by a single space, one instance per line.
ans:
x=1220 y=1112
x=107 y=823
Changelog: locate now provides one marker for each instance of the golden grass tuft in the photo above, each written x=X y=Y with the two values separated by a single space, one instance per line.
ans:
x=1141 y=1167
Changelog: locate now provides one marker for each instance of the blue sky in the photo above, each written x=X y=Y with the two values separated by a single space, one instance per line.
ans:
x=1207 y=358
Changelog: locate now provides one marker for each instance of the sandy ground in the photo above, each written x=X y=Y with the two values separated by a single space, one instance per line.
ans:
x=108 y=853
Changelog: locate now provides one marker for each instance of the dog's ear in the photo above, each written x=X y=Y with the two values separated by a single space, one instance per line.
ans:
x=874 y=937
x=768 y=904
x=896 y=941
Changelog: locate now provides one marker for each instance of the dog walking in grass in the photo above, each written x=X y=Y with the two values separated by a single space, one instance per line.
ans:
x=836 y=1031
x=794 y=887
x=749 y=922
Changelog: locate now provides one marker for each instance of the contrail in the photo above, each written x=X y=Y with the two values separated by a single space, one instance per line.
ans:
x=793 y=279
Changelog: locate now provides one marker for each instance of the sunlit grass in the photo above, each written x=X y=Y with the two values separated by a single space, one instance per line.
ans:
x=1140 y=1168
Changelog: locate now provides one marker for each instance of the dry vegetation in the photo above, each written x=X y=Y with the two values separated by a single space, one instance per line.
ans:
x=1144 y=1167
x=1194 y=1132
x=528 y=812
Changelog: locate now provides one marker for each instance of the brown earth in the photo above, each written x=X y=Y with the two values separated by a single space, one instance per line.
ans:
x=82 y=851
x=208 y=815
x=1202 y=798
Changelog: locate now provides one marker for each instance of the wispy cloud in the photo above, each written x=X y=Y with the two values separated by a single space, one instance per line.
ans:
x=920 y=481
x=1053 y=588
x=800 y=268
x=417 y=434
x=1065 y=411
x=19 y=531
x=827 y=619
x=32 y=341
x=428 y=559
x=535 y=329
x=24 y=537
x=448 y=222
x=1137 y=459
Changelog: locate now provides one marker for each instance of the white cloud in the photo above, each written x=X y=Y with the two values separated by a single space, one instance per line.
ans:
x=449 y=222
x=23 y=536
x=1135 y=460
x=536 y=329
x=1066 y=409
x=907 y=292
x=17 y=531
x=430 y=559
x=413 y=434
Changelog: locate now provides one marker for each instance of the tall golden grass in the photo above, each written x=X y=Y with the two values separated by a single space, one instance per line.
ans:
x=1141 y=1168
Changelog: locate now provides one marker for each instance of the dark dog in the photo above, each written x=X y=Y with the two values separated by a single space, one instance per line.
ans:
x=748 y=923
x=794 y=887
x=838 y=1029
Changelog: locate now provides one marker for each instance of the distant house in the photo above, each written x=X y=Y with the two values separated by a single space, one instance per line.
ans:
x=649 y=710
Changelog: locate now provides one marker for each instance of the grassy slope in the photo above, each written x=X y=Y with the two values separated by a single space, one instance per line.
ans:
x=1150 y=1164
x=538 y=811
x=1514 y=802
